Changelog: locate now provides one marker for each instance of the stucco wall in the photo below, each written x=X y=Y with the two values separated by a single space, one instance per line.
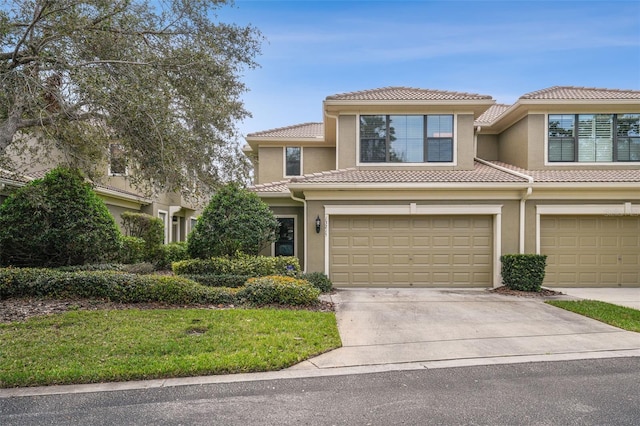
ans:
x=488 y=147
x=318 y=159
x=346 y=144
x=465 y=142
x=271 y=167
x=512 y=144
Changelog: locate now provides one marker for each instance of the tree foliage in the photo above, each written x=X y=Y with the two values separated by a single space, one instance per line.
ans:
x=235 y=220
x=57 y=221
x=160 y=78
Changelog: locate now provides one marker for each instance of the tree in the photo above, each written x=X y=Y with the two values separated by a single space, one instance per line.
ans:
x=160 y=78
x=236 y=220
x=57 y=221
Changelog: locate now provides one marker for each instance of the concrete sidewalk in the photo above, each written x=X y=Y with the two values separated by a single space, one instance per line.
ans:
x=624 y=296
x=396 y=326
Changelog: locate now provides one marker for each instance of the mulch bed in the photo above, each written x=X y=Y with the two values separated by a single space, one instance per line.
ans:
x=22 y=309
x=545 y=292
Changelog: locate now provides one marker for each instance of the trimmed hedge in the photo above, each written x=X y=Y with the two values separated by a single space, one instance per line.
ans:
x=319 y=281
x=212 y=280
x=111 y=285
x=132 y=249
x=280 y=290
x=255 y=266
x=523 y=272
x=169 y=253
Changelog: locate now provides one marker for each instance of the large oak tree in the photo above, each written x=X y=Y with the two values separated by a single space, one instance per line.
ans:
x=162 y=78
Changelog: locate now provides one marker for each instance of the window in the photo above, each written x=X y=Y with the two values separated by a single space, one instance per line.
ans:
x=117 y=160
x=594 y=138
x=285 y=244
x=164 y=217
x=406 y=138
x=293 y=160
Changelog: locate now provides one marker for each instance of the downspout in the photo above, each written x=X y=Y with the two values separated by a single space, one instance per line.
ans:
x=335 y=117
x=304 y=237
x=523 y=199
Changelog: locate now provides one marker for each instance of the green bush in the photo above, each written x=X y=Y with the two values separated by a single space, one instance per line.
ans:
x=147 y=227
x=281 y=290
x=319 y=281
x=109 y=285
x=169 y=253
x=211 y=280
x=254 y=266
x=57 y=221
x=523 y=272
x=132 y=249
x=235 y=220
x=93 y=267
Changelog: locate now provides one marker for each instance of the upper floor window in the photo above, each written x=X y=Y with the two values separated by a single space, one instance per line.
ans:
x=593 y=138
x=117 y=160
x=406 y=138
x=293 y=161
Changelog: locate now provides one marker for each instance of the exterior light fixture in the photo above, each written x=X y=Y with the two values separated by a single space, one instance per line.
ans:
x=318 y=223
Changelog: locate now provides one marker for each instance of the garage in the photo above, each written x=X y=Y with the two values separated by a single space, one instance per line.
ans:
x=405 y=251
x=591 y=251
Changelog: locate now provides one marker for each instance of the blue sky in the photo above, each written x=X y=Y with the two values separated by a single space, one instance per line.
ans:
x=505 y=49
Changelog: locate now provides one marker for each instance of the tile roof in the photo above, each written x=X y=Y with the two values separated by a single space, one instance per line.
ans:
x=492 y=113
x=480 y=174
x=581 y=93
x=272 y=187
x=305 y=130
x=576 y=176
x=12 y=177
x=406 y=94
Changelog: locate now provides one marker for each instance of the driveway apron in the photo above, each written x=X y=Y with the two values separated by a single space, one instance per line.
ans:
x=392 y=326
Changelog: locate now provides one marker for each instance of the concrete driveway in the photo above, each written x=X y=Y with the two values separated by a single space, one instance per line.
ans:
x=463 y=326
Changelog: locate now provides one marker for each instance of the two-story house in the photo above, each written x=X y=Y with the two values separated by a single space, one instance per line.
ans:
x=412 y=187
x=115 y=189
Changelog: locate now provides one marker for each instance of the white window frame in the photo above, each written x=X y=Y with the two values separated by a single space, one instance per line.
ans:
x=578 y=163
x=426 y=163
x=295 y=234
x=284 y=160
x=165 y=220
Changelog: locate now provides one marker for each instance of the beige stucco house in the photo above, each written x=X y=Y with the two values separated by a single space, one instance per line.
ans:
x=116 y=190
x=409 y=187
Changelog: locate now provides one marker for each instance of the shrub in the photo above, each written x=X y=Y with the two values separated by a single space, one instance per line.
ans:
x=254 y=266
x=523 y=271
x=132 y=249
x=140 y=268
x=211 y=280
x=57 y=221
x=109 y=285
x=235 y=220
x=169 y=253
x=147 y=227
x=319 y=281
x=281 y=290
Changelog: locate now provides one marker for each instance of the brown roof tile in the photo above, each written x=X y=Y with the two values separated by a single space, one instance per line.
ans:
x=492 y=113
x=406 y=94
x=480 y=174
x=272 y=187
x=305 y=130
x=577 y=176
x=581 y=93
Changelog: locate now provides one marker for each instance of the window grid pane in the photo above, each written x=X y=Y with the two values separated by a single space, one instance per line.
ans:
x=293 y=160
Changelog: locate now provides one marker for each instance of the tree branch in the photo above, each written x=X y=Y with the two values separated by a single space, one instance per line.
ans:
x=36 y=18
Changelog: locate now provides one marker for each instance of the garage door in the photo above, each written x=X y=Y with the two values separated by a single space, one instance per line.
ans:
x=591 y=251
x=404 y=251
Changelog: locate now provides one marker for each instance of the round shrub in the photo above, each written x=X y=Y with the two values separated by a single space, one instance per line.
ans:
x=57 y=221
x=319 y=281
x=169 y=253
x=524 y=272
x=235 y=220
x=132 y=249
x=280 y=290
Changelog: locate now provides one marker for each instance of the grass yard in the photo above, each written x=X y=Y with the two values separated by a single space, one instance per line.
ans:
x=118 y=345
x=618 y=316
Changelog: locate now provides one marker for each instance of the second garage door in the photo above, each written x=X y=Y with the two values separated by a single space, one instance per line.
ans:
x=591 y=251
x=404 y=251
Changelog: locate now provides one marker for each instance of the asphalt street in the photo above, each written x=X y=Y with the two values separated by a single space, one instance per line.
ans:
x=585 y=392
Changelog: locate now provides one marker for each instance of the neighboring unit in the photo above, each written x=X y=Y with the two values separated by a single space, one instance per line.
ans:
x=402 y=187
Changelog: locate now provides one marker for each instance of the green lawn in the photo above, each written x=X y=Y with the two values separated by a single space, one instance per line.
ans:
x=118 y=345
x=618 y=316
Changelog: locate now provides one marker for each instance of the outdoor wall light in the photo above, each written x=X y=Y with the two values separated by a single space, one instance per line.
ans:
x=318 y=223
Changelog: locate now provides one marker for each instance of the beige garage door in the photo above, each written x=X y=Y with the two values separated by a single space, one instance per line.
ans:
x=591 y=251
x=404 y=251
